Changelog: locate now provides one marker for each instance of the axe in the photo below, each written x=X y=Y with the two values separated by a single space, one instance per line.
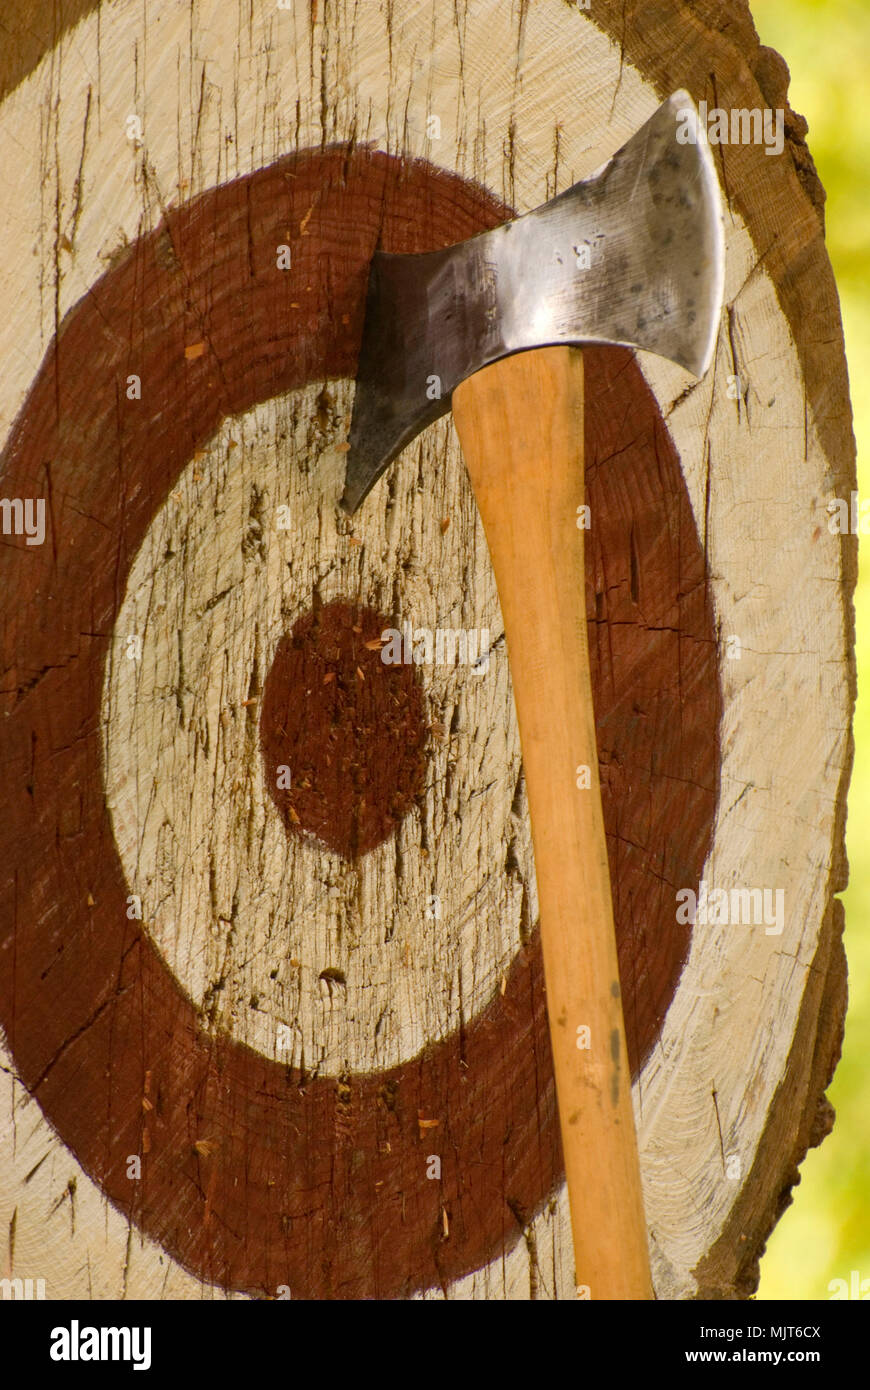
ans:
x=489 y=327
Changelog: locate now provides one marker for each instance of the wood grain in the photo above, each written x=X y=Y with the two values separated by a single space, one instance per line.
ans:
x=744 y=1052
x=520 y=424
x=286 y=1128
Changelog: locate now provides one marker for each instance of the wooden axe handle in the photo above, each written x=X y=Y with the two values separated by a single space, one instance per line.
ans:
x=520 y=423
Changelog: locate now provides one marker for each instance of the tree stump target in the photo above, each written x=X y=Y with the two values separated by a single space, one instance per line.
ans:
x=331 y=984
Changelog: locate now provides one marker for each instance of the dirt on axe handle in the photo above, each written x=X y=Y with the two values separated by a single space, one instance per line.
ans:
x=492 y=328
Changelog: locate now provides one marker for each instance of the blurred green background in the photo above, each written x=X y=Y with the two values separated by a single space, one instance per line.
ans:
x=826 y=43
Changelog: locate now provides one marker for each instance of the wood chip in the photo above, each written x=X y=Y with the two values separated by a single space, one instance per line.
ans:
x=194 y=350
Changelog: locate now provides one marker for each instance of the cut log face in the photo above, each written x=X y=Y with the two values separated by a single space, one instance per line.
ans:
x=271 y=985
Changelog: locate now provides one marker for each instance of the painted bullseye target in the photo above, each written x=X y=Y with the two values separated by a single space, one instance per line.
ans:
x=268 y=1162
x=308 y=920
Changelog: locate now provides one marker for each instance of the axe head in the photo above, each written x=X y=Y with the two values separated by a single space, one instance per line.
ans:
x=632 y=256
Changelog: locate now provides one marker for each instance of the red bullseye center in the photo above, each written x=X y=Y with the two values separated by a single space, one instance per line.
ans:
x=342 y=733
